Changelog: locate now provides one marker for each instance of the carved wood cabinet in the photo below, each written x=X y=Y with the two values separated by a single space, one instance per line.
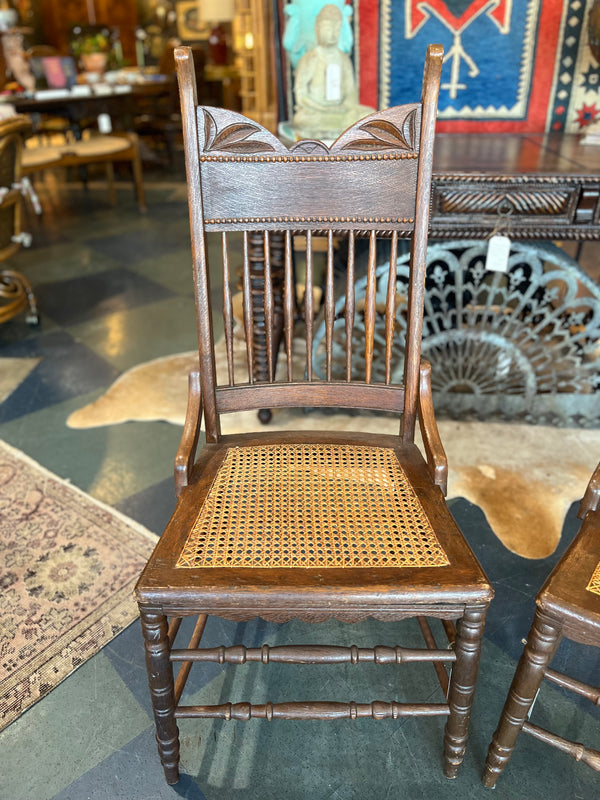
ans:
x=537 y=186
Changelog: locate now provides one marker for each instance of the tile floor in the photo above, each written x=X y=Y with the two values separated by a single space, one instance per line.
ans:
x=114 y=289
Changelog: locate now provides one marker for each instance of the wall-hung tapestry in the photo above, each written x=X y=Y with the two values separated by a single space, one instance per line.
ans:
x=510 y=65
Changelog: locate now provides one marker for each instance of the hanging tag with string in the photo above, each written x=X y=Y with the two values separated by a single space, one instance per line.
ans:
x=499 y=243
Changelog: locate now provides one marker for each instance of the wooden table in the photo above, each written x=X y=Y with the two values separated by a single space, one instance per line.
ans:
x=534 y=186
x=120 y=105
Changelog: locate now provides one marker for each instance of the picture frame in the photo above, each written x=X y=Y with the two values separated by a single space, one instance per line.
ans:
x=190 y=25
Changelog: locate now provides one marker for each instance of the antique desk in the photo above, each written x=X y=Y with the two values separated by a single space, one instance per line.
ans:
x=530 y=186
x=527 y=186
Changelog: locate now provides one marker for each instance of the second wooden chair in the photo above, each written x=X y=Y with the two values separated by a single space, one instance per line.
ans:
x=568 y=605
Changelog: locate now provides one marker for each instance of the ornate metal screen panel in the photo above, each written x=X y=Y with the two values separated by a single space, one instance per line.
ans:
x=524 y=344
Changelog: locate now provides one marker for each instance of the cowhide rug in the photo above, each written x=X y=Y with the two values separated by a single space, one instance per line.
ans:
x=524 y=477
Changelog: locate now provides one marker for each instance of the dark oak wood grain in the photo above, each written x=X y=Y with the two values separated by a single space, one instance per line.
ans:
x=374 y=182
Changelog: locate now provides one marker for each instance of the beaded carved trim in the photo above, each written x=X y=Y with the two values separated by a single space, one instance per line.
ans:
x=594 y=584
x=310 y=220
x=305 y=158
x=311 y=505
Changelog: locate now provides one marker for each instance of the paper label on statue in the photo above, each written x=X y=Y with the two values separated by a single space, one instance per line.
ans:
x=104 y=123
x=333 y=83
x=498 y=253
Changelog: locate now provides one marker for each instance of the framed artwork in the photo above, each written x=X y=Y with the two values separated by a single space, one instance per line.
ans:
x=190 y=25
x=53 y=72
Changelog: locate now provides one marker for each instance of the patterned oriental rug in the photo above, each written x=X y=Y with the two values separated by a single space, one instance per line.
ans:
x=68 y=565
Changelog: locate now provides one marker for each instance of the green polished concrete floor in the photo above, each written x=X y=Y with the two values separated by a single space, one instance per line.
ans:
x=114 y=289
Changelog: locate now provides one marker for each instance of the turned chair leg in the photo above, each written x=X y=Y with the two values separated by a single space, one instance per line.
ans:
x=160 y=679
x=138 y=178
x=544 y=638
x=469 y=633
x=110 y=179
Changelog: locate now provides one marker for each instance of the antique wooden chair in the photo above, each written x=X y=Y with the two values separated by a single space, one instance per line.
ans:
x=568 y=605
x=97 y=149
x=311 y=525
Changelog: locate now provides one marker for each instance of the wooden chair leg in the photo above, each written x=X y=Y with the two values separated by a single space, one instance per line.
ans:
x=136 y=166
x=469 y=633
x=544 y=638
x=110 y=177
x=160 y=679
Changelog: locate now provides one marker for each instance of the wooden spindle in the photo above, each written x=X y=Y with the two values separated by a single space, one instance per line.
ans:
x=248 y=318
x=185 y=668
x=349 y=305
x=370 y=307
x=575 y=749
x=268 y=301
x=329 y=302
x=174 y=625
x=450 y=629
x=227 y=310
x=318 y=711
x=314 y=654
x=288 y=305
x=390 y=309
x=591 y=693
x=431 y=644
x=308 y=304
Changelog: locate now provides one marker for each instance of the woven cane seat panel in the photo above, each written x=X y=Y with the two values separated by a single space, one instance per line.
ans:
x=311 y=505
x=594 y=584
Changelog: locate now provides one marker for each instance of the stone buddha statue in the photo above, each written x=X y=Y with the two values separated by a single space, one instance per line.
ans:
x=325 y=89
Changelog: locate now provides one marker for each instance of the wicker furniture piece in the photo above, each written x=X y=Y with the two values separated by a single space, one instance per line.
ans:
x=16 y=293
x=568 y=605
x=310 y=525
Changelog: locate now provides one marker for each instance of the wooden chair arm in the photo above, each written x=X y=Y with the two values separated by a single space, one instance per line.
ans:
x=186 y=453
x=436 y=457
x=591 y=498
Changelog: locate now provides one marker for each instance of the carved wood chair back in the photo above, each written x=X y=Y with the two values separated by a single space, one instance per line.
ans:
x=373 y=182
x=568 y=606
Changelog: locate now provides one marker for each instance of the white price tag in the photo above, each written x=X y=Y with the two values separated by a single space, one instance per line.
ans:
x=104 y=123
x=498 y=253
x=333 y=83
